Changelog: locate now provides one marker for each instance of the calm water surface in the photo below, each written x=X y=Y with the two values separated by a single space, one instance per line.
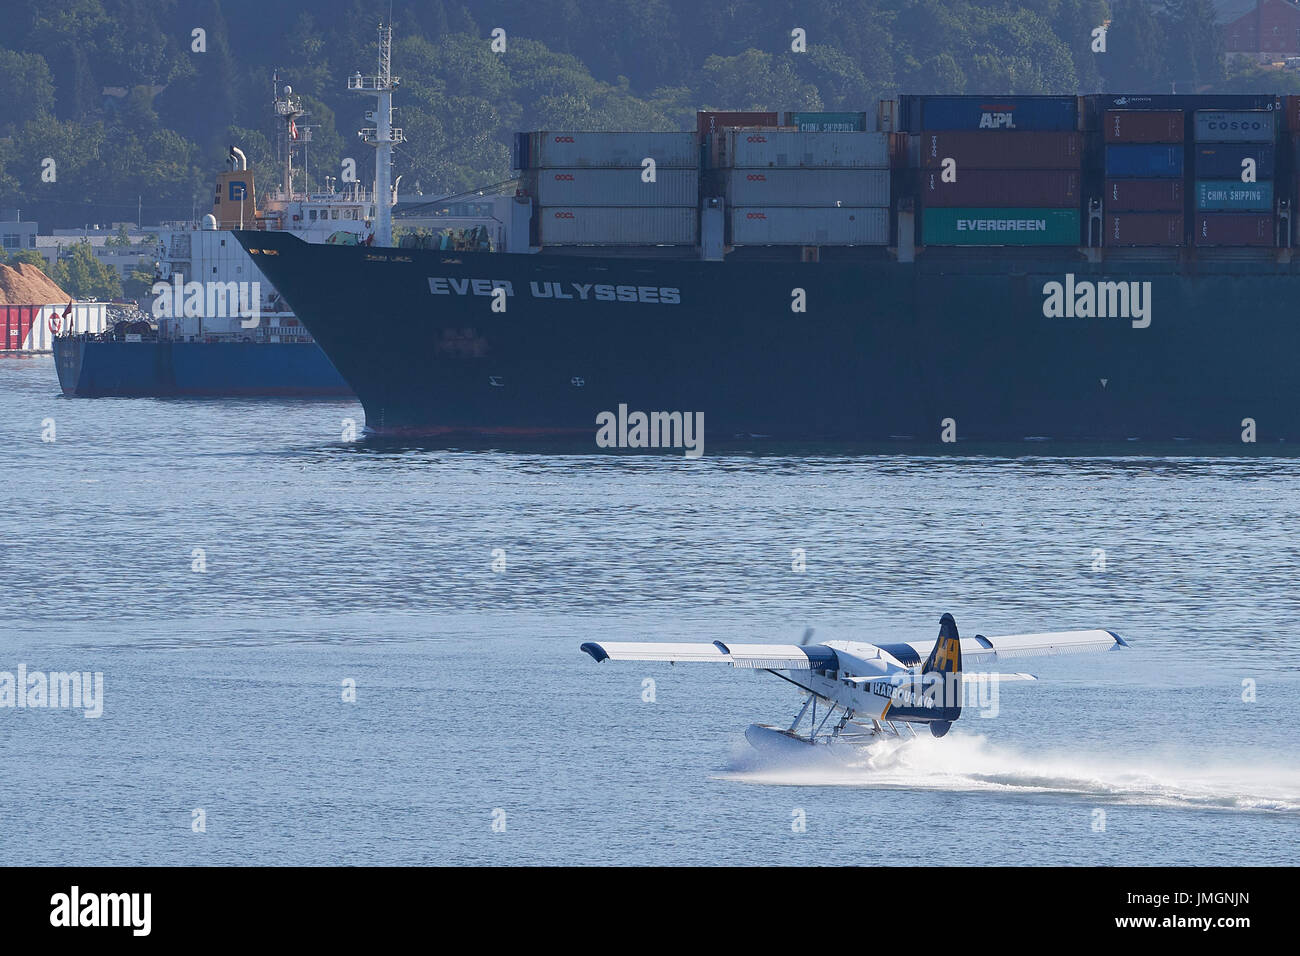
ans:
x=327 y=561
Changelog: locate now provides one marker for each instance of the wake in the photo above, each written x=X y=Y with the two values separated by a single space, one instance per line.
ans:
x=971 y=764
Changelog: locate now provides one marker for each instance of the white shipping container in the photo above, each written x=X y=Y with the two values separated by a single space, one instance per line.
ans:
x=563 y=150
x=43 y=322
x=807 y=187
x=616 y=187
x=782 y=149
x=795 y=226
x=618 y=225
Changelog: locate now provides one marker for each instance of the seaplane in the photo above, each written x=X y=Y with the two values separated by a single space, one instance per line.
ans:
x=872 y=691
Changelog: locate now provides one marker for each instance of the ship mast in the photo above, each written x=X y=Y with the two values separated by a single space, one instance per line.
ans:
x=383 y=136
x=289 y=108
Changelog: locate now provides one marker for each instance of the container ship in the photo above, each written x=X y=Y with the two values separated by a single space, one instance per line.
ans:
x=989 y=268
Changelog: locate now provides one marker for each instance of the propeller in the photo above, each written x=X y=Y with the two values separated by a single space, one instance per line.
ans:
x=807 y=636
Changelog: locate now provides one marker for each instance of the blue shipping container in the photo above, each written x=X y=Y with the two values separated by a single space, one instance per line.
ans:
x=1023 y=113
x=1233 y=194
x=1235 y=126
x=1143 y=161
x=1223 y=160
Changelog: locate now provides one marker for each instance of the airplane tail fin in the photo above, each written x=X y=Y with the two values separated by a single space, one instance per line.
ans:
x=945 y=661
x=946 y=655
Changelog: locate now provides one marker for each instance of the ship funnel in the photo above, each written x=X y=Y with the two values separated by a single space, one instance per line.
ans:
x=238 y=161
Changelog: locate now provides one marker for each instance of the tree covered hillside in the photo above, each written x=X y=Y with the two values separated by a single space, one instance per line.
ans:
x=116 y=95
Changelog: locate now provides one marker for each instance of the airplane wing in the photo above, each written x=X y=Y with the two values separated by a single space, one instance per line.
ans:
x=761 y=656
x=987 y=650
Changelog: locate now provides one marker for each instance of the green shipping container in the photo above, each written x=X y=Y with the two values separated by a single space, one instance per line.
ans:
x=1000 y=227
x=828 y=122
x=1232 y=194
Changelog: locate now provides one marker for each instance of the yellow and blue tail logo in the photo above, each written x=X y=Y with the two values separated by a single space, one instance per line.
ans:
x=946 y=656
x=934 y=695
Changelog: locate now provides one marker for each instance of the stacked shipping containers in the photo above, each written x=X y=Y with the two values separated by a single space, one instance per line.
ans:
x=1231 y=210
x=1143 y=200
x=787 y=187
x=598 y=189
x=998 y=172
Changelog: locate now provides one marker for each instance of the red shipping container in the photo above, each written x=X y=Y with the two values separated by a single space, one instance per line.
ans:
x=1232 y=229
x=15 y=322
x=1143 y=195
x=1051 y=188
x=710 y=121
x=1143 y=126
x=1142 y=229
x=1002 y=150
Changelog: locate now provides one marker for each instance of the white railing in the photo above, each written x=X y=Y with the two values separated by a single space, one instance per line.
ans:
x=370 y=135
x=374 y=83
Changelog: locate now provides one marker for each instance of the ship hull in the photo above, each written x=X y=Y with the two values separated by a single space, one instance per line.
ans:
x=89 y=368
x=946 y=348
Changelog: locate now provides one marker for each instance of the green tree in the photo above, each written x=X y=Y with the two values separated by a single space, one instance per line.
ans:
x=81 y=274
x=29 y=256
x=26 y=89
x=1135 y=60
x=139 y=282
x=755 y=80
x=1194 y=44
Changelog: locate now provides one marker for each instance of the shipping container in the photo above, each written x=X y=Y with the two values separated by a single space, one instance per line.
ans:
x=793 y=226
x=1232 y=229
x=1058 y=188
x=807 y=187
x=1186 y=101
x=618 y=225
x=1000 y=113
x=614 y=187
x=1143 y=195
x=1143 y=229
x=552 y=149
x=1291 y=114
x=762 y=149
x=1235 y=126
x=1233 y=194
x=1226 y=160
x=1004 y=151
x=1143 y=126
x=1000 y=227
x=16 y=323
x=1132 y=161
x=827 y=122
x=31 y=328
x=713 y=121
